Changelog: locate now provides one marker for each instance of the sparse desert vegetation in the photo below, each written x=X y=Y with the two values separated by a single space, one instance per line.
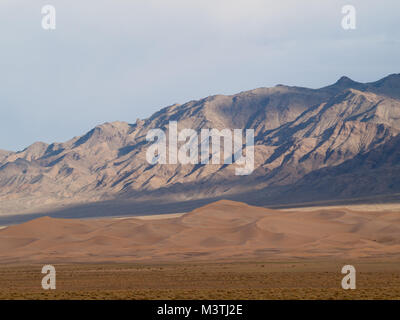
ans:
x=205 y=280
x=225 y=250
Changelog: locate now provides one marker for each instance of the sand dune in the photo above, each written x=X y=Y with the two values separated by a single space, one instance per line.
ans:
x=221 y=230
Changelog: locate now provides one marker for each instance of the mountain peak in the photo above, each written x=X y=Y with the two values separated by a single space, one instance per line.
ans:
x=345 y=80
x=342 y=84
x=297 y=130
x=113 y=125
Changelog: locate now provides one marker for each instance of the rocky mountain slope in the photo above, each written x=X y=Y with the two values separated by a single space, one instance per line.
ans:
x=373 y=173
x=302 y=136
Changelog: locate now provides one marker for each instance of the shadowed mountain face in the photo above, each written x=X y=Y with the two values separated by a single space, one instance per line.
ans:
x=309 y=143
x=376 y=172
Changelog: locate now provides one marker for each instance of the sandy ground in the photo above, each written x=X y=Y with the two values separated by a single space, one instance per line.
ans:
x=224 y=250
x=220 y=231
x=295 y=279
x=155 y=216
x=394 y=207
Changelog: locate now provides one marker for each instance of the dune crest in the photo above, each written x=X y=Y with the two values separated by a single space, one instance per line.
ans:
x=218 y=231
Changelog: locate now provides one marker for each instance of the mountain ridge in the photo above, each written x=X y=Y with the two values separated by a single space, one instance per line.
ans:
x=297 y=131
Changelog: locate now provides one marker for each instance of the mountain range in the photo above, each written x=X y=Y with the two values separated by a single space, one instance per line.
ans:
x=334 y=143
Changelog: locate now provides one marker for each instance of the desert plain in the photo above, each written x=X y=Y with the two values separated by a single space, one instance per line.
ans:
x=224 y=250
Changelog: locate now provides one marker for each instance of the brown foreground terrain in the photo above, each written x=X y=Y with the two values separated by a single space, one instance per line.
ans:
x=225 y=250
x=228 y=280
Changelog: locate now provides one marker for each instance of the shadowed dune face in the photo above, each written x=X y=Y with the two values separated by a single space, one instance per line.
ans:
x=222 y=230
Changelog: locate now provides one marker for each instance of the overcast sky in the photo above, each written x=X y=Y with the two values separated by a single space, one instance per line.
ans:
x=113 y=60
